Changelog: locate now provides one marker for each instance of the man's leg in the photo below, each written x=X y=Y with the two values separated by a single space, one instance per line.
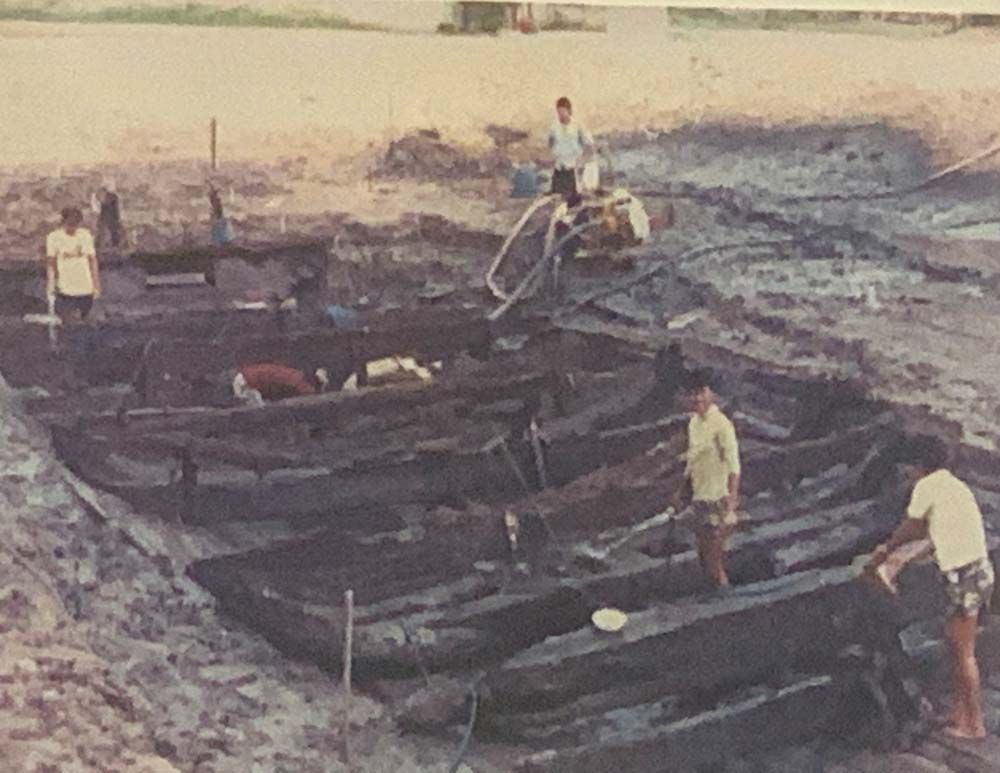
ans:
x=65 y=308
x=84 y=304
x=966 y=717
x=711 y=552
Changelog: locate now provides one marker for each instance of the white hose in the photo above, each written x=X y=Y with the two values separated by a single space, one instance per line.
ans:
x=536 y=271
x=896 y=192
x=537 y=204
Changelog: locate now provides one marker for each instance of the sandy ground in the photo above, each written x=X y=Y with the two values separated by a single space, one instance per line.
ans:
x=304 y=115
x=77 y=94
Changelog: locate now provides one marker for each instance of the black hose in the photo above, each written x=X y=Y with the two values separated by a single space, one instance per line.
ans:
x=463 y=747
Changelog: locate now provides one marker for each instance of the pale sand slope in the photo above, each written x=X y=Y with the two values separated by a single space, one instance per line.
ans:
x=78 y=93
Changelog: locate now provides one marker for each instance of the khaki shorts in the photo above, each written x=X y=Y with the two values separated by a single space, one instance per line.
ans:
x=969 y=587
x=702 y=515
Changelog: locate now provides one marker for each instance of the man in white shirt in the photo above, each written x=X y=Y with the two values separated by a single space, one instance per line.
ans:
x=72 y=278
x=943 y=510
x=713 y=469
x=570 y=145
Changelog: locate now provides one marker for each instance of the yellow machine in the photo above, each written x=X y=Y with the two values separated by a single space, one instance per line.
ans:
x=619 y=219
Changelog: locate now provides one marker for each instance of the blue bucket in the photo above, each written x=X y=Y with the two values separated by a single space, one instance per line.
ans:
x=222 y=232
x=342 y=317
x=525 y=183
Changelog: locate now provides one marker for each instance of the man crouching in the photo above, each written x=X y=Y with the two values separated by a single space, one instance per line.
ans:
x=943 y=510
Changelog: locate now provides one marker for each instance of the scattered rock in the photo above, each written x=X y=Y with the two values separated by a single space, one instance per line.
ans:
x=439 y=704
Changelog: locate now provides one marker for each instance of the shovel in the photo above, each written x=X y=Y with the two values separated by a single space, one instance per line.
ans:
x=50 y=319
x=667 y=516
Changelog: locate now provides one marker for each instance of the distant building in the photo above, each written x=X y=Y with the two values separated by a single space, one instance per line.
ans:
x=494 y=17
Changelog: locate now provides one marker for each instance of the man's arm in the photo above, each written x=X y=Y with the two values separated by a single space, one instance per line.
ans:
x=95 y=273
x=731 y=453
x=733 y=500
x=910 y=530
x=680 y=497
x=913 y=527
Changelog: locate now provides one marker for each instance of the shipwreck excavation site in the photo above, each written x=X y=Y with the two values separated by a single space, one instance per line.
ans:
x=483 y=511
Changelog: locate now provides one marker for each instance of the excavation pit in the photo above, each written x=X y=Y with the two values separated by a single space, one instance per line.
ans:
x=402 y=493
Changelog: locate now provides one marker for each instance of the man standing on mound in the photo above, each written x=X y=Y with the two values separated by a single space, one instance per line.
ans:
x=943 y=510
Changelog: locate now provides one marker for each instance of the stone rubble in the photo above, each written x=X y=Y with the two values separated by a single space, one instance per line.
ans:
x=114 y=661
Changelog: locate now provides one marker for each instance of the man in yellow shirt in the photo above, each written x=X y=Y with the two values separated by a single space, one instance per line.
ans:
x=943 y=510
x=71 y=266
x=713 y=469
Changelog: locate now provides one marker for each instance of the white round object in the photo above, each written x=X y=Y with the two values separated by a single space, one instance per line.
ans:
x=590 y=177
x=609 y=619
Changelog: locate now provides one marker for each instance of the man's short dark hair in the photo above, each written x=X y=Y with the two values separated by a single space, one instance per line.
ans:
x=927 y=451
x=698 y=380
x=72 y=215
x=564 y=102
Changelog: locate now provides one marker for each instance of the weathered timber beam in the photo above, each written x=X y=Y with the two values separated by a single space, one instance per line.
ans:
x=467 y=629
x=690 y=645
x=655 y=744
x=320 y=410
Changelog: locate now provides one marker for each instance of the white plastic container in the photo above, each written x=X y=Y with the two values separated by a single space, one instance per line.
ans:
x=590 y=177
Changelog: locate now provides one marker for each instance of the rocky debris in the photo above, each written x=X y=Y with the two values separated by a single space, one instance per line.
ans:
x=63 y=707
x=425 y=155
x=440 y=703
x=114 y=661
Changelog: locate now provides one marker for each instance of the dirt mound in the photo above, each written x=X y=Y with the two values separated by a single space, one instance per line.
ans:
x=425 y=155
x=503 y=136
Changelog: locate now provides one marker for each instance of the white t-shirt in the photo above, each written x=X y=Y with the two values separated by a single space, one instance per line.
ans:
x=567 y=142
x=954 y=522
x=72 y=255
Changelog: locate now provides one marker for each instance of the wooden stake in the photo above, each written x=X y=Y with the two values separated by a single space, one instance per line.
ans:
x=348 y=646
x=214 y=139
x=536 y=447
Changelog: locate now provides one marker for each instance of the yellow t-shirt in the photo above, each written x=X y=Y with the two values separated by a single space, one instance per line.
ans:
x=954 y=522
x=713 y=455
x=72 y=255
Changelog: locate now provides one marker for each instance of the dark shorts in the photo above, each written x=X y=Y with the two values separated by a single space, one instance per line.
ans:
x=564 y=182
x=969 y=588
x=66 y=304
x=709 y=518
